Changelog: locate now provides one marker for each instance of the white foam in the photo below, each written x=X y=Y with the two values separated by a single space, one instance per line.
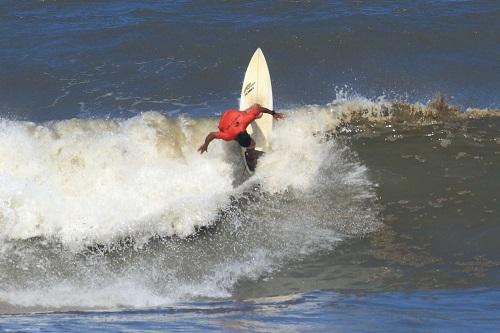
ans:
x=99 y=180
x=296 y=155
x=88 y=181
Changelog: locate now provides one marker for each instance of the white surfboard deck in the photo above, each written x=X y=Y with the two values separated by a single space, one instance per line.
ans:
x=257 y=89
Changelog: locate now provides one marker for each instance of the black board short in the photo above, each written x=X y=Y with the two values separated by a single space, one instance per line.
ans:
x=244 y=139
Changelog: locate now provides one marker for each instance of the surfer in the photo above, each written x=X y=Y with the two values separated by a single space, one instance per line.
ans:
x=233 y=125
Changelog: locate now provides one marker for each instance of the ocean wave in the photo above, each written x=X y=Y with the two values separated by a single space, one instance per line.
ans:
x=71 y=188
x=86 y=181
x=80 y=183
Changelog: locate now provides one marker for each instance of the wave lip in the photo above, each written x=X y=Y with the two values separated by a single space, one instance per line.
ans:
x=354 y=110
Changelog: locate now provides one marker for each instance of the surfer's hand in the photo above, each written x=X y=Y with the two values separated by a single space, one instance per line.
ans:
x=203 y=148
x=279 y=115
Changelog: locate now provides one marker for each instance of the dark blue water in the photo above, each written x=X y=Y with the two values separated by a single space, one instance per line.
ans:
x=62 y=59
x=376 y=211
x=456 y=311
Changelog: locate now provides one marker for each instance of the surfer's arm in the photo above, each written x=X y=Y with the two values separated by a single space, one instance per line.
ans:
x=258 y=108
x=213 y=135
x=203 y=148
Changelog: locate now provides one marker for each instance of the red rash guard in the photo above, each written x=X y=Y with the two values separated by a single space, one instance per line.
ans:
x=233 y=122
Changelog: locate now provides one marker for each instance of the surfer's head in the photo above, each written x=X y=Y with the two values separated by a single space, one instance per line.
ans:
x=244 y=139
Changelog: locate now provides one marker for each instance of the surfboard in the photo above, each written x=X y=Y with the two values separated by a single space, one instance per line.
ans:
x=257 y=88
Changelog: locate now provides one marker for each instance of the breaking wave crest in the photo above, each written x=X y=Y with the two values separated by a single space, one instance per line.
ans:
x=97 y=181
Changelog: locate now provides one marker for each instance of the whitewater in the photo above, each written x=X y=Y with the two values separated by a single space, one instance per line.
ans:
x=92 y=207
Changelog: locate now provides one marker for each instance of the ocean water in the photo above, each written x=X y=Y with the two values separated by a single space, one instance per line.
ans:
x=378 y=208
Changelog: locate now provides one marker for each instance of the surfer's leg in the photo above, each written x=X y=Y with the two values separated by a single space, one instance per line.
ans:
x=251 y=156
x=252 y=145
x=246 y=141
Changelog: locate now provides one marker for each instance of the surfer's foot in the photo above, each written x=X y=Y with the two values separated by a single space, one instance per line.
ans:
x=251 y=157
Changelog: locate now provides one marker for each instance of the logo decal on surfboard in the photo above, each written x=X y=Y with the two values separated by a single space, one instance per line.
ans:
x=248 y=88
